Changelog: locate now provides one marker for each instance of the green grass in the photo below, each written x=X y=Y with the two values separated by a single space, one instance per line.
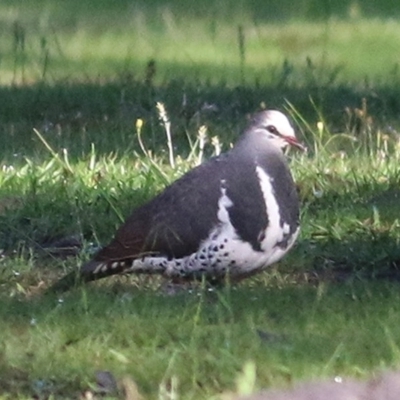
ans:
x=202 y=340
x=78 y=77
x=52 y=41
x=321 y=312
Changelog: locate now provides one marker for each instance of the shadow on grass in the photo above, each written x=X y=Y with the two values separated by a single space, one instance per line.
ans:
x=352 y=234
x=75 y=116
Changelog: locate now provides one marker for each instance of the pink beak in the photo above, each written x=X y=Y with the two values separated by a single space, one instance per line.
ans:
x=295 y=143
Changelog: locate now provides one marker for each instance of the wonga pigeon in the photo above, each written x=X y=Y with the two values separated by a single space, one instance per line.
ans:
x=233 y=215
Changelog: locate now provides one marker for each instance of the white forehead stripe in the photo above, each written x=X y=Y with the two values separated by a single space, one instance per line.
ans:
x=280 y=121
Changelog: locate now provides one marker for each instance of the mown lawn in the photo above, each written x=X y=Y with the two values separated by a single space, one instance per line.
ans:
x=73 y=166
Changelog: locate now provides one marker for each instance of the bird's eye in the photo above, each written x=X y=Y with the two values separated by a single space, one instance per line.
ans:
x=272 y=129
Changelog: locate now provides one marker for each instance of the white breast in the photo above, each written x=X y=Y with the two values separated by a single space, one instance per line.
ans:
x=274 y=233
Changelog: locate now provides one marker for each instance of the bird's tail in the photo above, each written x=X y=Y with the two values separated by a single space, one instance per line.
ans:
x=90 y=271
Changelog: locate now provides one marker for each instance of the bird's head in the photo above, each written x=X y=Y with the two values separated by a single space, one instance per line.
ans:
x=276 y=127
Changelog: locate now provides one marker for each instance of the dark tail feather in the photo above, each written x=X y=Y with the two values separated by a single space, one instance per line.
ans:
x=91 y=271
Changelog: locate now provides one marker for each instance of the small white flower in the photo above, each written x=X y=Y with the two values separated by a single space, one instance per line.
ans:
x=318 y=193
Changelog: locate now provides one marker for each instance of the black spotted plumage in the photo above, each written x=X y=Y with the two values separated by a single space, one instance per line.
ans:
x=192 y=226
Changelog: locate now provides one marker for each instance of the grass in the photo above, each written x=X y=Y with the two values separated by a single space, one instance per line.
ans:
x=50 y=41
x=319 y=313
x=329 y=308
x=202 y=340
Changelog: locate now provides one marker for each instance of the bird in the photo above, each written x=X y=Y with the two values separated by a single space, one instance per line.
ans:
x=233 y=215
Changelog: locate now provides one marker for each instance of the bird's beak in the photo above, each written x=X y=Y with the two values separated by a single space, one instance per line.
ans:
x=295 y=143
